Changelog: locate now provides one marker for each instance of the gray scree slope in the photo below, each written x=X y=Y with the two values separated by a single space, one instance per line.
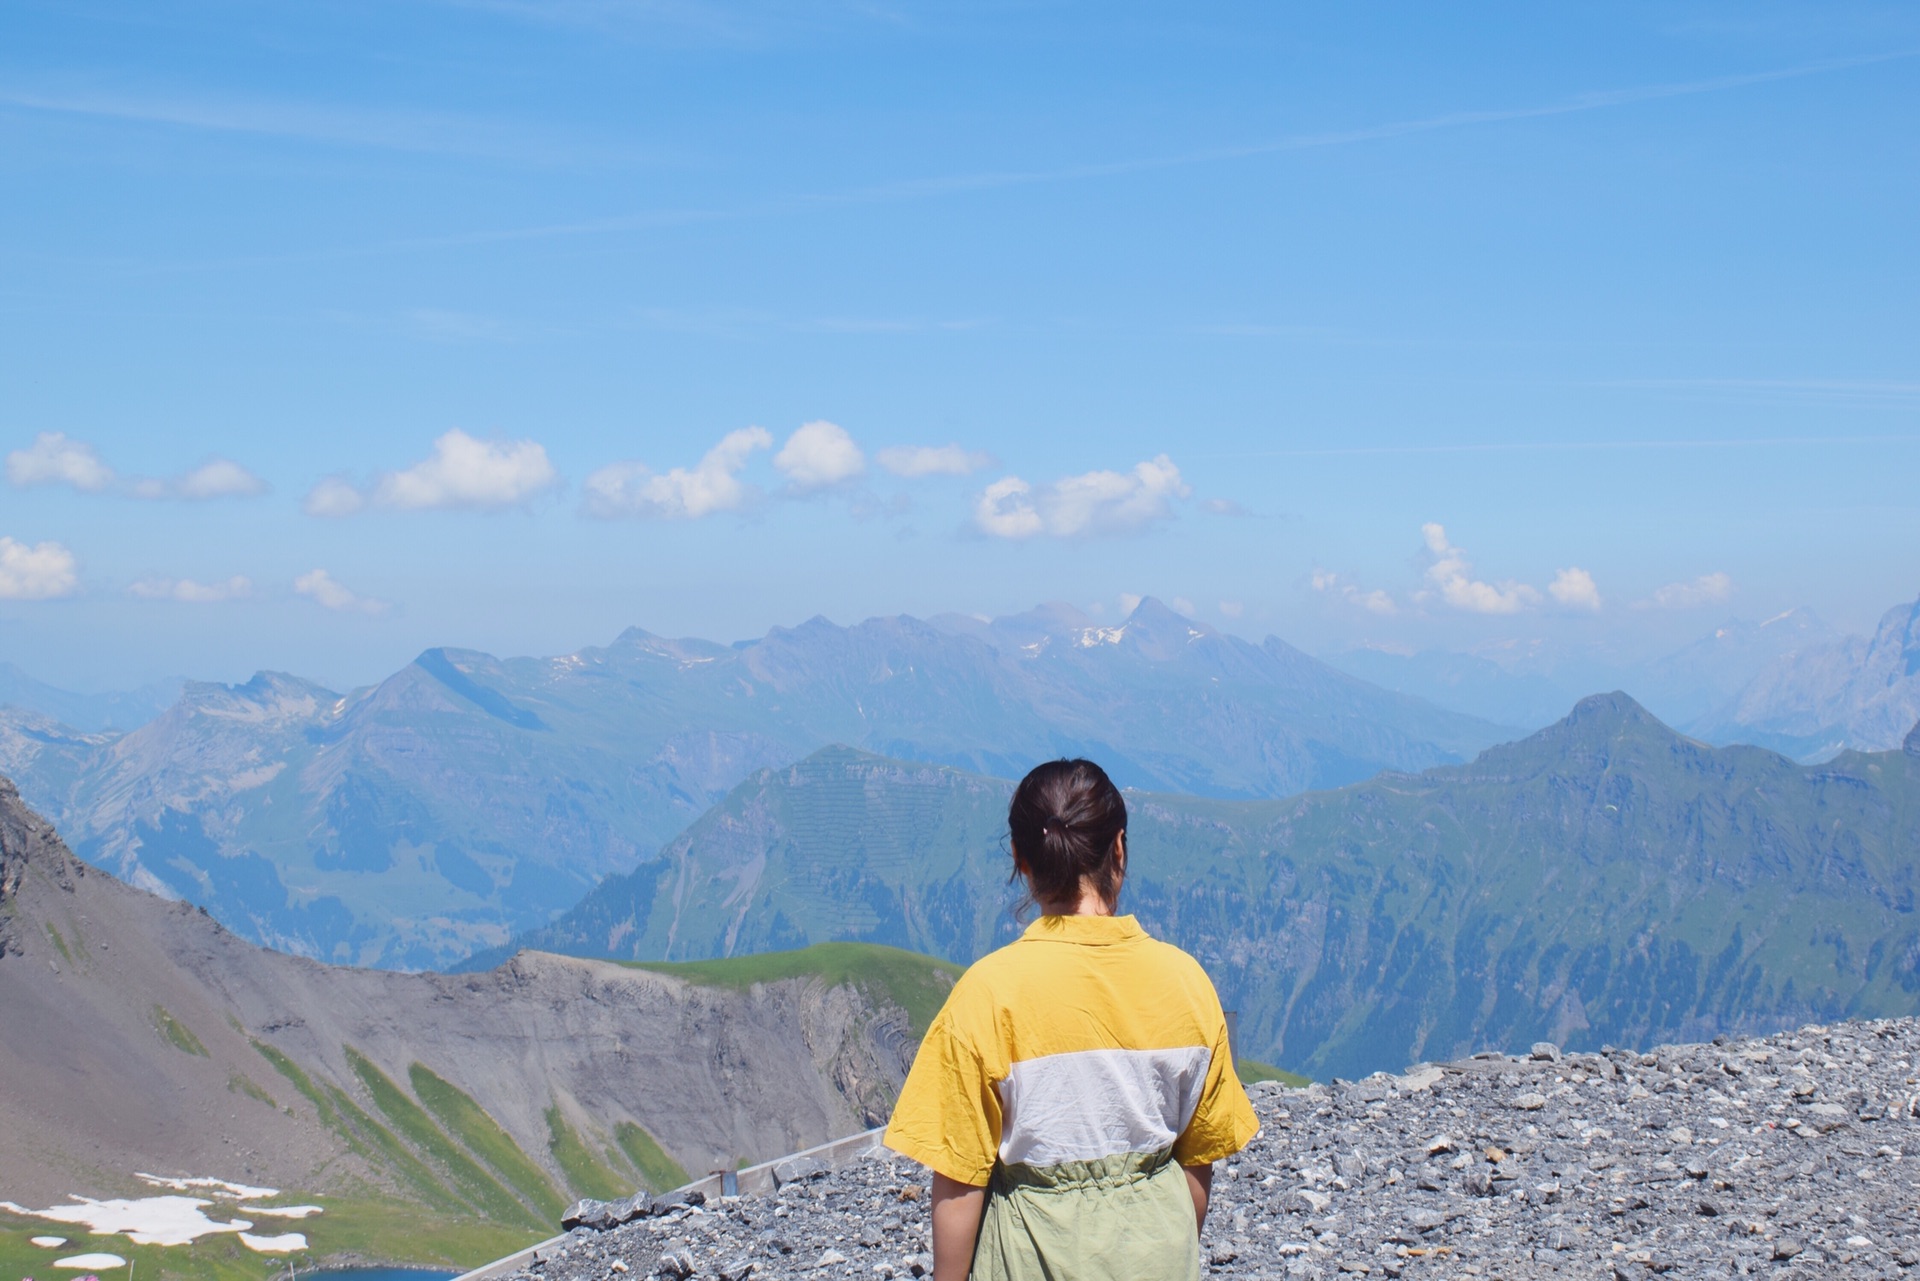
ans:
x=1790 y=1156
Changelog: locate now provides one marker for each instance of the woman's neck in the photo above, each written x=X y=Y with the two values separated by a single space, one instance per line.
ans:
x=1088 y=903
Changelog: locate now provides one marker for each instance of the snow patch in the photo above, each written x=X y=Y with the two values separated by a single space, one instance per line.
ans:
x=1091 y=636
x=90 y=1262
x=239 y=1191
x=155 y=1220
x=285 y=1243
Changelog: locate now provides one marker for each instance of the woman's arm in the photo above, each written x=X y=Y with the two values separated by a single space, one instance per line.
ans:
x=957 y=1208
x=1200 y=1187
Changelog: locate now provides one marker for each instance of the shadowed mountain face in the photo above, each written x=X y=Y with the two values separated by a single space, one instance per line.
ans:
x=1605 y=880
x=142 y=1036
x=1860 y=692
x=466 y=796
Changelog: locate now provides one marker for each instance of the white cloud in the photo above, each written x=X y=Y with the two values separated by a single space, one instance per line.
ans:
x=1224 y=507
x=1451 y=578
x=1096 y=502
x=465 y=472
x=462 y=473
x=53 y=459
x=333 y=496
x=1708 y=589
x=1232 y=609
x=1129 y=602
x=218 y=478
x=1374 y=601
x=714 y=485
x=42 y=571
x=1574 y=588
x=931 y=460
x=819 y=454
x=324 y=589
x=1182 y=606
x=191 y=592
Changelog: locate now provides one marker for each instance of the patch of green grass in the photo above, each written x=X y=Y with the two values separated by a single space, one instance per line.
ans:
x=59 y=943
x=241 y=1083
x=363 y=1134
x=661 y=1172
x=468 y=1122
x=474 y=1184
x=917 y=984
x=1252 y=1070
x=586 y=1175
x=177 y=1034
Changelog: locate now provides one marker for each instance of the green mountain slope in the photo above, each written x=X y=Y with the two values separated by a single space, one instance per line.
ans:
x=1605 y=880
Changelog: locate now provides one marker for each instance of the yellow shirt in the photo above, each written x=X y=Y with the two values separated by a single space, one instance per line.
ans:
x=1082 y=1040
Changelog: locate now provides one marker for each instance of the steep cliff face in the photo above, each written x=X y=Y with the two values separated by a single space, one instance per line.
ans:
x=140 y=1035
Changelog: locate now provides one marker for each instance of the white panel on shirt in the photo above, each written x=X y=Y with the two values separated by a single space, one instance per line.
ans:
x=1094 y=1103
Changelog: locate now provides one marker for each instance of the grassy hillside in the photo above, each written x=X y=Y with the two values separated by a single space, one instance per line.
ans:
x=916 y=983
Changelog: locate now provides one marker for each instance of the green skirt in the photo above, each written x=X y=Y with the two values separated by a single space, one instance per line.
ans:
x=1127 y=1217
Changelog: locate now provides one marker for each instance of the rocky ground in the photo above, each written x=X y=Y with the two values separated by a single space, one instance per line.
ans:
x=1795 y=1155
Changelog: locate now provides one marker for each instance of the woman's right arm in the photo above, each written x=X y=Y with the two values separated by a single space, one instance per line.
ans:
x=957 y=1208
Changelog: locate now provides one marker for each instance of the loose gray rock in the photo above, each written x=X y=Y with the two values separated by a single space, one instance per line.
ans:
x=1783 y=1156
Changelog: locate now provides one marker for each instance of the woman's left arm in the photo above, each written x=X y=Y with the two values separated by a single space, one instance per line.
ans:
x=1200 y=1187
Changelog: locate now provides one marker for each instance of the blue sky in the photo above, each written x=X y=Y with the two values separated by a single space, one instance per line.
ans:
x=1367 y=324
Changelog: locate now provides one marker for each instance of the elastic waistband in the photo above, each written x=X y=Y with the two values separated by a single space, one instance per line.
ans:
x=1106 y=1171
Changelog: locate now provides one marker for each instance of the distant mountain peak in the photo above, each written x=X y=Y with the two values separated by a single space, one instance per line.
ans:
x=1595 y=719
x=1912 y=745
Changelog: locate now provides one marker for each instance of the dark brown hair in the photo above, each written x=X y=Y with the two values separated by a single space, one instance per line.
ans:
x=1063 y=823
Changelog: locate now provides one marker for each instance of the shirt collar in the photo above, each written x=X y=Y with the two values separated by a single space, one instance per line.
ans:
x=1094 y=931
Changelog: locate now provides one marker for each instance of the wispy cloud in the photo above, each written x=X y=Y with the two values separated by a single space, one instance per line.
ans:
x=190 y=592
x=936 y=186
x=1708 y=589
x=424 y=132
x=56 y=460
x=1374 y=600
x=1577 y=446
x=1864 y=392
x=915 y=461
x=325 y=590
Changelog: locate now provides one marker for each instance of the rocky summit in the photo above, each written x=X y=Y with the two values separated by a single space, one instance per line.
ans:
x=1785 y=1156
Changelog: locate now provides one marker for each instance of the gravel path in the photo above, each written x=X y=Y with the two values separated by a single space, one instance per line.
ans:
x=1786 y=1156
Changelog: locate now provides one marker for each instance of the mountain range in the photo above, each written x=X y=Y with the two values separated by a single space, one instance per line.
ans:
x=1606 y=880
x=1856 y=691
x=466 y=797
x=434 y=1118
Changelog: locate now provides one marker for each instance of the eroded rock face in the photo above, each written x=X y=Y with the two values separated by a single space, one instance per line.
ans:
x=1795 y=1155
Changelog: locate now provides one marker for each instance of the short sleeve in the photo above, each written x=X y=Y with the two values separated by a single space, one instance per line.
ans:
x=948 y=1114
x=1224 y=1122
